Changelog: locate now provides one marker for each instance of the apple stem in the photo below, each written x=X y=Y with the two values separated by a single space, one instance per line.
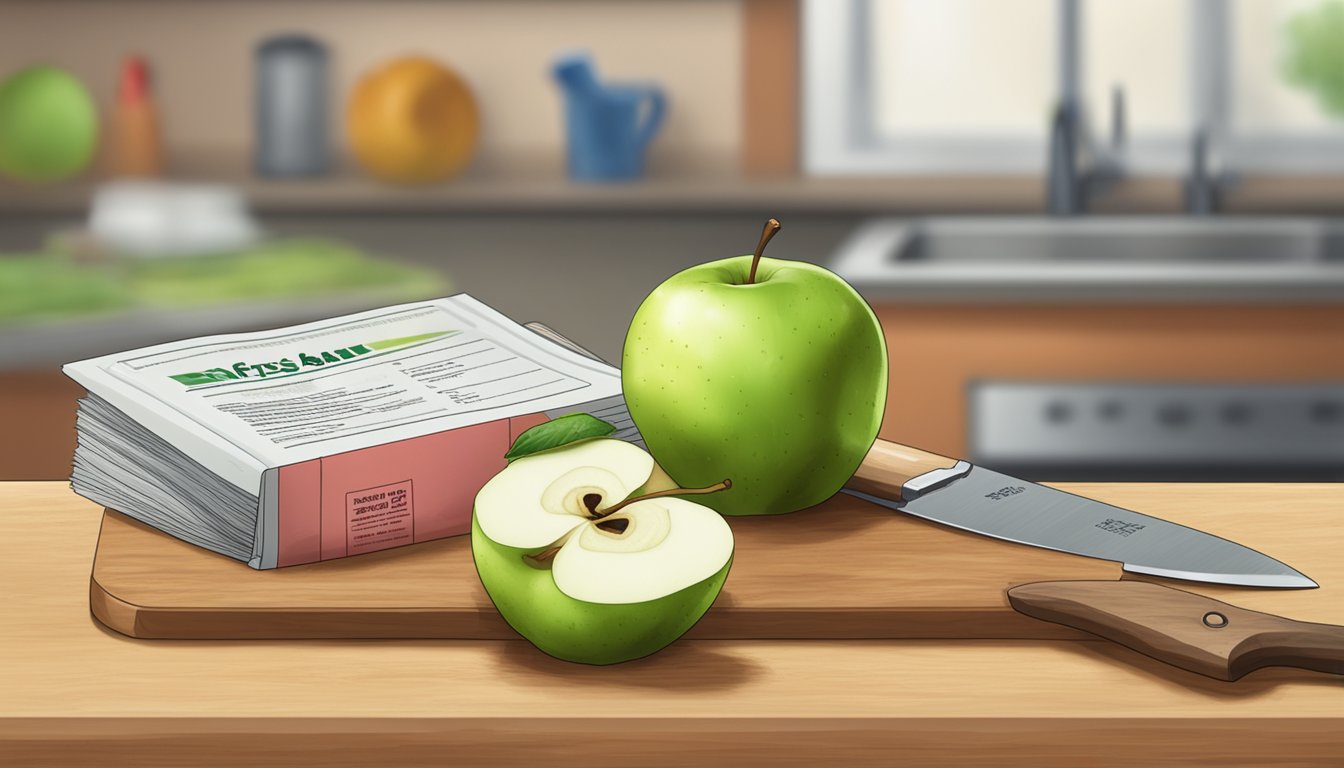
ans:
x=771 y=227
x=723 y=486
x=547 y=554
x=542 y=557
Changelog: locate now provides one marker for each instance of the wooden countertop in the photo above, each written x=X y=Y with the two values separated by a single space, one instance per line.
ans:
x=75 y=690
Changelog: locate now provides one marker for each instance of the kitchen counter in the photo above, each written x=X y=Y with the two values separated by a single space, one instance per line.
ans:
x=586 y=273
x=79 y=692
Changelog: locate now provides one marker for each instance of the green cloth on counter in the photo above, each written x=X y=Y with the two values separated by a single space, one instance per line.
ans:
x=37 y=286
x=54 y=286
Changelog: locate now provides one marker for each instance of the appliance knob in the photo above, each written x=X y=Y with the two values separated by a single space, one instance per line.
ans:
x=1058 y=412
x=1326 y=412
x=1110 y=410
x=1235 y=413
x=1174 y=414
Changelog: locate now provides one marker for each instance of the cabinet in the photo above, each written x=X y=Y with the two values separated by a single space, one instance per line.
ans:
x=938 y=351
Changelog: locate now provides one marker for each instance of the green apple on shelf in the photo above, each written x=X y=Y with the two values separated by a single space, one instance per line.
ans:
x=777 y=369
x=586 y=552
x=48 y=125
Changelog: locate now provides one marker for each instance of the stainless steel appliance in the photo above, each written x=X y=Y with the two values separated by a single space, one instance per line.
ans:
x=1159 y=431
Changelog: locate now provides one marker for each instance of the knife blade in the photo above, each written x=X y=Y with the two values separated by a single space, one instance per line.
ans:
x=971 y=498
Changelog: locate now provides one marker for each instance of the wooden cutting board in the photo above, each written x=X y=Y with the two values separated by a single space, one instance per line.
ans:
x=843 y=569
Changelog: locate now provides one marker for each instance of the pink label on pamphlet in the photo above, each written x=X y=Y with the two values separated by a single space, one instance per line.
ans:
x=378 y=518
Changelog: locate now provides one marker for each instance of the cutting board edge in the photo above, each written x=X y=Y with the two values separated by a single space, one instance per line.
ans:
x=210 y=623
x=111 y=611
x=179 y=623
x=118 y=600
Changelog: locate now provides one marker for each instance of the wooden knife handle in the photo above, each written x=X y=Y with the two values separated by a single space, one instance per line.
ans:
x=1184 y=629
x=889 y=465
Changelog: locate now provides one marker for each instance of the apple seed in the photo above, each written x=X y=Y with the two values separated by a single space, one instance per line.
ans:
x=591 y=500
x=615 y=526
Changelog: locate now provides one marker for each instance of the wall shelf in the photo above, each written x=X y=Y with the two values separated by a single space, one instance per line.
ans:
x=697 y=191
x=523 y=192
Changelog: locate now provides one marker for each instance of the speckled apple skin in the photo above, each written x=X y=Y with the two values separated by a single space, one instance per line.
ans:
x=578 y=630
x=779 y=385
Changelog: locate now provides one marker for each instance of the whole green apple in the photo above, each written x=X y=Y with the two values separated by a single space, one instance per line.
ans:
x=775 y=369
x=585 y=571
x=48 y=124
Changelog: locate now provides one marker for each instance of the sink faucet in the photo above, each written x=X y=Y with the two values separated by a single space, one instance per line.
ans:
x=1204 y=186
x=1201 y=193
x=1070 y=187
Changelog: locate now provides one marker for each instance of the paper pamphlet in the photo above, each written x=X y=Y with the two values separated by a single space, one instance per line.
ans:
x=356 y=433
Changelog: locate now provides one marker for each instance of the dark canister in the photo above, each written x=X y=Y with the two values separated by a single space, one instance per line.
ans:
x=291 y=122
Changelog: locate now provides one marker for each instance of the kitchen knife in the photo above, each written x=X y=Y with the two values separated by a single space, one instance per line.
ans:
x=979 y=500
x=1181 y=628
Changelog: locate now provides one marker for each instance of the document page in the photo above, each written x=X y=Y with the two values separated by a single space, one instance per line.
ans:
x=295 y=394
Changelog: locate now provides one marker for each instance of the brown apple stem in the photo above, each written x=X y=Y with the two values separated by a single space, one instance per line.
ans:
x=771 y=227
x=549 y=552
x=542 y=557
x=723 y=486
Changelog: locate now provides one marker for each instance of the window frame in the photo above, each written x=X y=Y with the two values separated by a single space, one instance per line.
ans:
x=839 y=136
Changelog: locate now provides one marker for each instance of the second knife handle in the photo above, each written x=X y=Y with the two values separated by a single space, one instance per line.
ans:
x=888 y=466
x=1182 y=628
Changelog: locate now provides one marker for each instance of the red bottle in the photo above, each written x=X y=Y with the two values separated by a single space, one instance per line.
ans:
x=135 y=147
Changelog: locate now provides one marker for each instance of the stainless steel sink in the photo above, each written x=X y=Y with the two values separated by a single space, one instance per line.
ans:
x=1097 y=256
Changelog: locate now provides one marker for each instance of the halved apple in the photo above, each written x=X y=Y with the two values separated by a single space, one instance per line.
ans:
x=590 y=585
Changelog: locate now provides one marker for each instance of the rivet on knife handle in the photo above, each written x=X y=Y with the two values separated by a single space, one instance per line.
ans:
x=1182 y=628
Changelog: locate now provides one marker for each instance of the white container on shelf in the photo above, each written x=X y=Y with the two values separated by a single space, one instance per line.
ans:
x=156 y=219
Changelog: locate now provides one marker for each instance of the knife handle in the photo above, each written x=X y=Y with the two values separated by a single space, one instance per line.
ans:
x=888 y=466
x=1182 y=628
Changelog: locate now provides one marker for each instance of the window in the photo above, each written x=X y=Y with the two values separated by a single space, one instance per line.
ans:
x=969 y=86
x=1271 y=122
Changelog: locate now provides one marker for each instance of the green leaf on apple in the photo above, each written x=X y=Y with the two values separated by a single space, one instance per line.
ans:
x=567 y=429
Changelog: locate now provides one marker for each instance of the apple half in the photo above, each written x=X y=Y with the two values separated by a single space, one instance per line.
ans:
x=586 y=586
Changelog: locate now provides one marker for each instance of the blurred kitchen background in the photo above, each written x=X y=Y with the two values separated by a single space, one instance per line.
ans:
x=1101 y=236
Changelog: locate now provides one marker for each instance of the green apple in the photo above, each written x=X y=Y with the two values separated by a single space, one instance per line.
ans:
x=48 y=124
x=585 y=571
x=777 y=369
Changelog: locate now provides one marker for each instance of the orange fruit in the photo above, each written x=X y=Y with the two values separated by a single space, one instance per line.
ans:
x=412 y=120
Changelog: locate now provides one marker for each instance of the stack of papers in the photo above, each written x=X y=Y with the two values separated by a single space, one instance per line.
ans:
x=328 y=439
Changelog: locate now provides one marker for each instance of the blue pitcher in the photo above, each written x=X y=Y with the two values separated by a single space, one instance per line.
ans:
x=609 y=126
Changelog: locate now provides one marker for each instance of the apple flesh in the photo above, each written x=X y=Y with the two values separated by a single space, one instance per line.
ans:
x=783 y=379
x=590 y=587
